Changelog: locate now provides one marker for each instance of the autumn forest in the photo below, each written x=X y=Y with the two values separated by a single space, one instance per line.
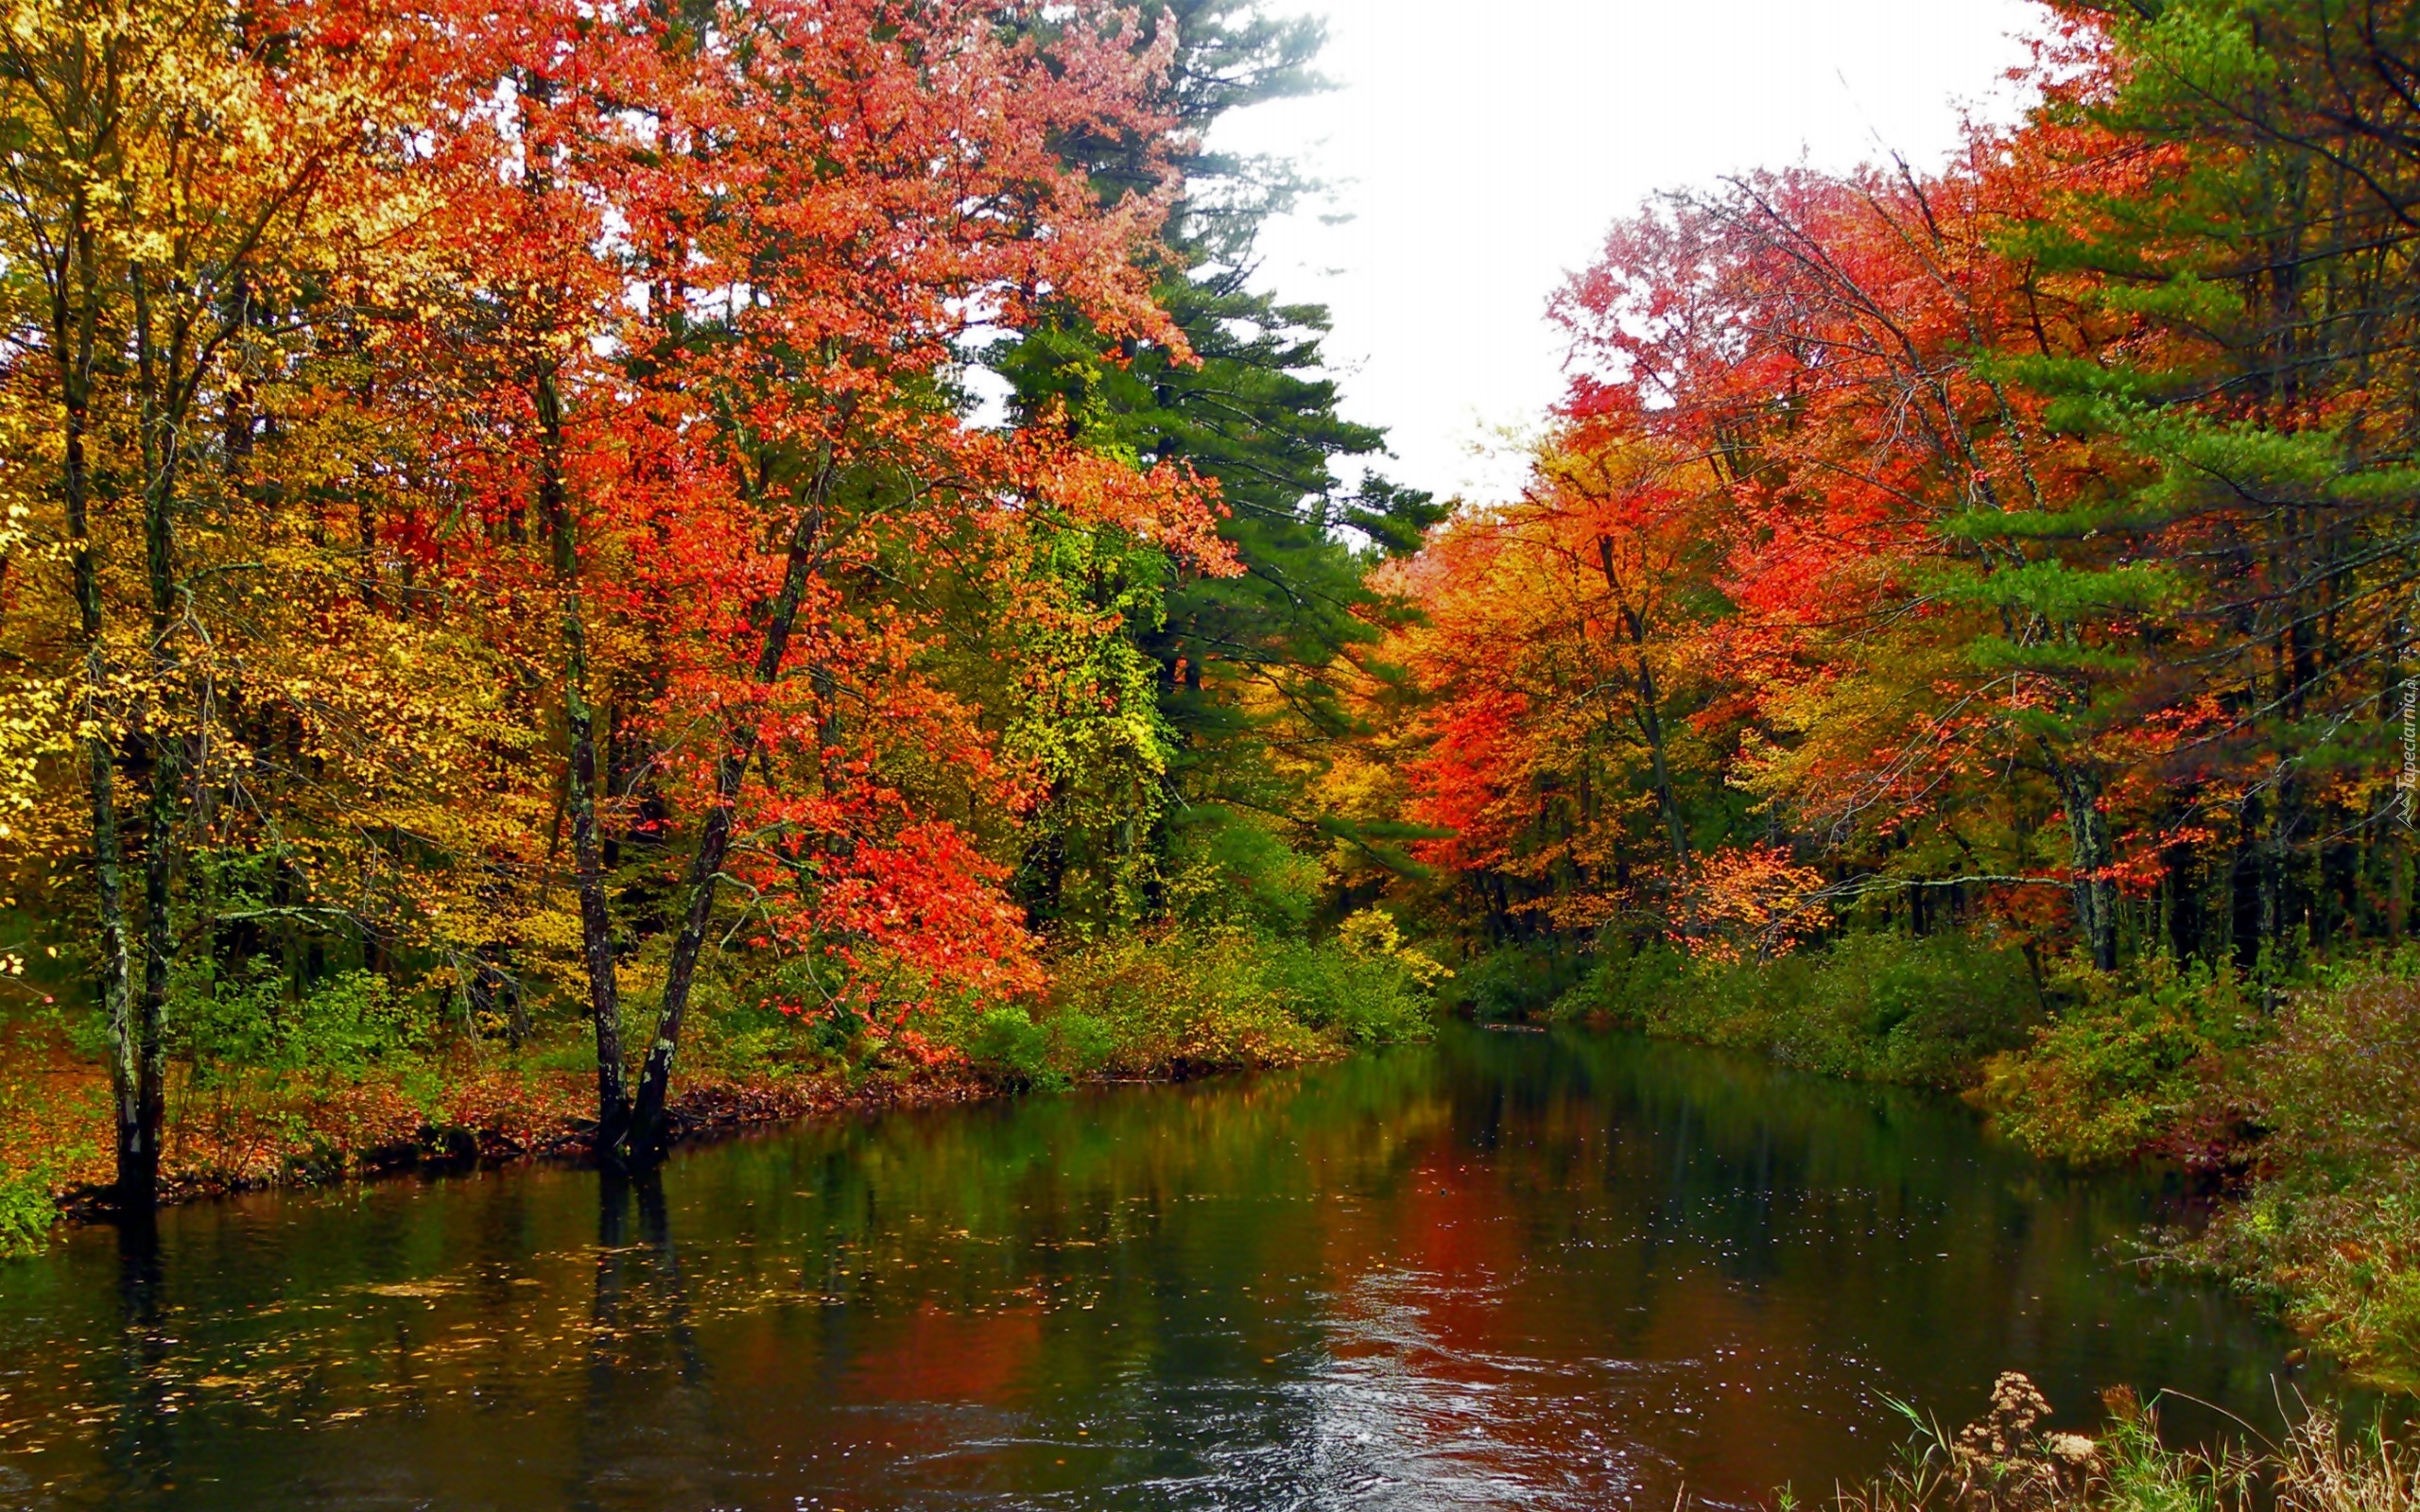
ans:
x=579 y=574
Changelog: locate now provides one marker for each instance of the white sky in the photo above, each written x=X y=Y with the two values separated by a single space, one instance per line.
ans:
x=1483 y=150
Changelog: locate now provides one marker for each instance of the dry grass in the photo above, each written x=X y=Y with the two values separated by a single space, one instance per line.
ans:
x=2006 y=1463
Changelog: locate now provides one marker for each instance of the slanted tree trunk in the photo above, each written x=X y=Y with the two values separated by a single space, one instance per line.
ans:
x=651 y=1133
x=1650 y=714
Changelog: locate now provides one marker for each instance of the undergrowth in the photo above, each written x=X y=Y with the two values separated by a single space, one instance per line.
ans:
x=1184 y=1002
x=27 y=1210
x=2147 y=1060
x=1872 y=1007
x=2307 y=1112
x=2329 y=1225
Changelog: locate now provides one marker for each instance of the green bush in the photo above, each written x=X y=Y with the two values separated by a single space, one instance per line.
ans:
x=1876 y=1008
x=749 y=1041
x=1890 y=1007
x=26 y=1212
x=1632 y=987
x=2129 y=1062
x=1050 y=1054
x=1520 y=981
x=1009 y=1046
x=1197 y=999
x=230 y=1025
x=1362 y=1000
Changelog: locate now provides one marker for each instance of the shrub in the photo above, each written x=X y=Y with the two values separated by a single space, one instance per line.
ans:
x=1009 y=1046
x=1200 y=999
x=1876 y=1007
x=1517 y=981
x=752 y=1040
x=2332 y=1225
x=1363 y=999
x=1921 y=1012
x=229 y=1025
x=46 y=1142
x=26 y=1212
x=1631 y=987
x=2132 y=1062
x=2316 y=1107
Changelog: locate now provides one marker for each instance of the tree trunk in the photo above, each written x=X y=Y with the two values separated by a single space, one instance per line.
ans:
x=579 y=729
x=2096 y=893
x=159 y=380
x=73 y=334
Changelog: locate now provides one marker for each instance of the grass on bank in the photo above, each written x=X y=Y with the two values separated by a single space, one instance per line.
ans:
x=272 y=1088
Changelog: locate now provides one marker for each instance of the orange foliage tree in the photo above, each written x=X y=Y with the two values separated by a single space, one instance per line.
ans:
x=499 y=499
x=2005 y=540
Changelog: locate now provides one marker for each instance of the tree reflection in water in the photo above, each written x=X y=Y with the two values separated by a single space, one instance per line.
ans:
x=1528 y=1271
x=647 y=1417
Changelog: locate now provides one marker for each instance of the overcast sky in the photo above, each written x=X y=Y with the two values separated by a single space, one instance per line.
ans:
x=1482 y=148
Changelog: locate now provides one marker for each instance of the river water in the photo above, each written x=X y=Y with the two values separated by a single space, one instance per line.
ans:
x=1510 y=1270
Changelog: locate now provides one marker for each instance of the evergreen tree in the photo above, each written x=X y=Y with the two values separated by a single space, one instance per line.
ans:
x=1247 y=665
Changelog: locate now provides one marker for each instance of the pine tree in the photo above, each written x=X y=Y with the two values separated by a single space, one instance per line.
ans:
x=1247 y=667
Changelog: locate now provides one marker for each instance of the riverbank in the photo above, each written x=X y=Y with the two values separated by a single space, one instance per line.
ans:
x=454 y=1109
x=357 y=1080
x=2294 y=1106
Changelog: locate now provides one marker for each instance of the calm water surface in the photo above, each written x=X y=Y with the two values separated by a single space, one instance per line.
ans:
x=1510 y=1270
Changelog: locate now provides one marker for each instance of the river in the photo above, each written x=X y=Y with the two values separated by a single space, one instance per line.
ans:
x=1514 y=1270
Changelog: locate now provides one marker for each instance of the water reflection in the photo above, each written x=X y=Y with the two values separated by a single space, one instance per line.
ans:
x=1508 y=1271
x=647 y=1422
x=140 y=1451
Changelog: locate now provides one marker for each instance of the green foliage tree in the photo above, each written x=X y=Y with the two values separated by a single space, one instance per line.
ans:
x=1248 y=669
x=2246 y=234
